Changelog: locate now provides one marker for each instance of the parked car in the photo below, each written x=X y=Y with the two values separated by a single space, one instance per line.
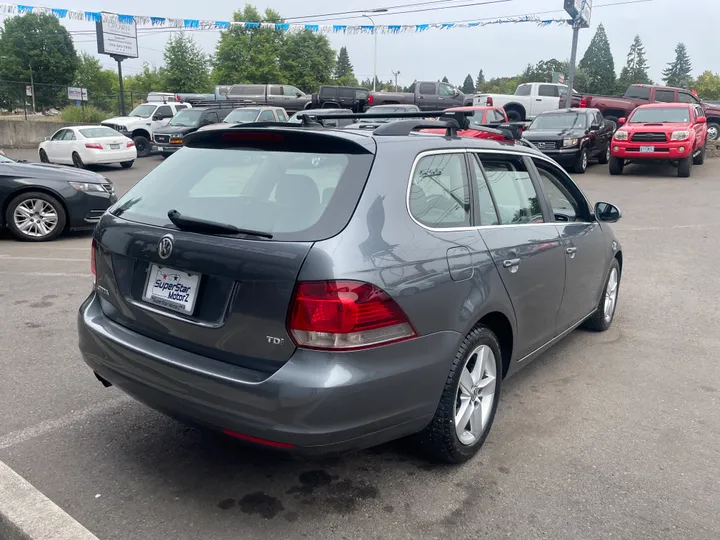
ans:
x=482 y=118
x=342 y=97
x=142 y=122
x=168 y=139
x=675 y=132
x=372 y=123
x=427 y=95
x=39 y=201
x=572 y=137
x=295 y=118
x=528 y=101
x=616 y=107
x=302 y=339
x=279 y=95
x=247 y=115
x=88 y=145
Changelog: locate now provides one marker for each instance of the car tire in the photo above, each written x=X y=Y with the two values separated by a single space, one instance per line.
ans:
x=603 y=316
x=581 y=162
x=127 y=164
x=713 y=131
x=28 y=200
x=441 y=439
x=685 y=167
x=77 y=161
x=614 y=120
x=514 y=116
x=700 y=158
x=616 y=166
x=43 y=157
x=142 y=145
x=604 y=157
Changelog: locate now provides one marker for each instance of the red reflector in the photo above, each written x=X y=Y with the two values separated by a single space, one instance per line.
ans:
x=583 y=103
x=252 y=136
x=256 y=440
x=93 y=249
x=345 y=315
x=130 y=144
x=371 y=99
x=95 y=146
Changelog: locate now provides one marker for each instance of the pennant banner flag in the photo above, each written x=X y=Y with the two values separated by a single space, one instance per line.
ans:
x=195 y=24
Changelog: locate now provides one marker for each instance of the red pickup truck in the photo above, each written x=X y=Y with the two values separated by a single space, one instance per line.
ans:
x=615 y=107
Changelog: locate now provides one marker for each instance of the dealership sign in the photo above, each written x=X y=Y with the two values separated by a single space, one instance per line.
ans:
x=77 y=94
x=117 y=39
x=580 y=11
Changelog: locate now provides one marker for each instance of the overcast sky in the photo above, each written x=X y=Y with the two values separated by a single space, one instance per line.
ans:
x=501 y=50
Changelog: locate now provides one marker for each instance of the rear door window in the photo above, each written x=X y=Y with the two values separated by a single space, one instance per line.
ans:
x=270 y=190
x=439 y=191
x=665 y=96
x=637 y=92
x=512 y=188
x=548 y=90
x=427 y=89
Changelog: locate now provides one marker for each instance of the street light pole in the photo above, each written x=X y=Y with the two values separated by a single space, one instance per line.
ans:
x=396 y=73
x=379 y=10
x=32 y=86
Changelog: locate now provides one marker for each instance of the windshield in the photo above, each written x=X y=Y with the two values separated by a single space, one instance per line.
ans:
x=241 y=115
x=559 y=121
x=656 y=115
x=186 y=118
x=295 y=118
x=383 y=109
x=280 y=192
x=99 y=132
x=143 y=111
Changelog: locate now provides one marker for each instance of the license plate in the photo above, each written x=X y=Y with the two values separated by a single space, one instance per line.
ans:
x=646 y=149
x=114 y=147
x=172 y=289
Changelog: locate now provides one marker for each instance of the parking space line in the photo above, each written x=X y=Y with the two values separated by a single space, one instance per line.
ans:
x=46 y=426
x=689 y=226
x=11 y=258
x=45 y=274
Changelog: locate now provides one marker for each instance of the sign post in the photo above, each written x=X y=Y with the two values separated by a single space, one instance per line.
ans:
x=119 y=41
x=580 y=11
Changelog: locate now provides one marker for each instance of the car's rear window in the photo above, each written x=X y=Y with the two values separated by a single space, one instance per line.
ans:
x=99 y=132
x=292 y=195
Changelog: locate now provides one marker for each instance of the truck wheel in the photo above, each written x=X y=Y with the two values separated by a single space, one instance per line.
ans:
x=700 y=158
x=685 y=167
x=514 y=116
x=604 y=157
x=616 y=166
x=142 y=145
x=713 y=131
x=614 y=120
x=581 y=162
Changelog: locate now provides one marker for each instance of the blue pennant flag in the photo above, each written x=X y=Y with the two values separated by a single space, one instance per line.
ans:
x=191 y=23
x=126 y=19
x=339 y=28
x=93 y=16
x=312 y=27
x=60 y=13
x=157 y=21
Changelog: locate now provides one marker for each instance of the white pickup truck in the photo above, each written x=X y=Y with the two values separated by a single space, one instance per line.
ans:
x=529 y=100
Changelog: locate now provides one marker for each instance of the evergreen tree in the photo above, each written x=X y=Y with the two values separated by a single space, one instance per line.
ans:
x=186 y=66
x=479 y=81
x=468 y=86
x=677 y=73
x=599 y=65
x=445 y=80
x=344 y=75
x=636 y=67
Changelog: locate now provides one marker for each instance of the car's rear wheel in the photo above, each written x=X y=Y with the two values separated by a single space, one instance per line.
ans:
x=713 y=131
x=685 y=167
x=35 y=217
x=700 y=158
x=126 y=164
x=581 y=162
x=616 y=165
x=514 y=115
x=142 y=145
x=77 y=161
x=604 y=157
x=469 y=400
x=603 y=316
x=44 y=157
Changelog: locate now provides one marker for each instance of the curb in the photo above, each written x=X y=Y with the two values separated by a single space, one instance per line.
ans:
x=27 y=514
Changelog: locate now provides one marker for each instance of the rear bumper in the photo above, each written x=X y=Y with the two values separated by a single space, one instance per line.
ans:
x=663 y=151
x=99 y=157
x=86 y=209
x=317 y=402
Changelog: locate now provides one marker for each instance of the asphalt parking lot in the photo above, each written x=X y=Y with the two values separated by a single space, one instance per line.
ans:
x=613 y=435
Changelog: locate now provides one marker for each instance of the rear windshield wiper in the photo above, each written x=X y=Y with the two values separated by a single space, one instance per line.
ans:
x=192 y=224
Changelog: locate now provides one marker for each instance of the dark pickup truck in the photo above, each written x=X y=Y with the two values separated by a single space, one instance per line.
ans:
x=342 y=97
x=288 y=97
x=427 y=95
x=615 y=107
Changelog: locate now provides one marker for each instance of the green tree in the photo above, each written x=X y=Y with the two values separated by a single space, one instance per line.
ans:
x=100 y=82
x=137 y=87
x=344 y=74
x=38 y=42
x=306 y=60
x=445 y=80
x=186 y=66
x=636 y=67
x=479 y=81
x=708 y=85
x=500 y=85
x=599 y=65
x=468 y=86
x=251 y=55
x=677 y=73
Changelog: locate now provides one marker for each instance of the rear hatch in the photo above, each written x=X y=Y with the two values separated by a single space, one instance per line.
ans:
x=216 y=276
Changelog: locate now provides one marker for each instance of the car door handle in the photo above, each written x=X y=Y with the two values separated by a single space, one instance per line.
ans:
x=538 y=99
x=511 y=263
x=571 y=251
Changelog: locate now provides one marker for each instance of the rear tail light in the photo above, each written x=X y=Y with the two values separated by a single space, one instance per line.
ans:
x=371 y=99
x=94 y=146
x=93 y=267
x=130 y=144
x=489 y=101
x=344 y=315
x=583 y=103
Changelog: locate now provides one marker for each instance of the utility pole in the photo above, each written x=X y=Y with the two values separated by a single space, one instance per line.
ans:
x=396 y=73
x=573 y=59
x=32 y=86
x=580 y=11
x=379 y=10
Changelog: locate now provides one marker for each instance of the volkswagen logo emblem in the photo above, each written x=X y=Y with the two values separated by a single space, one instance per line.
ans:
x=165 y=246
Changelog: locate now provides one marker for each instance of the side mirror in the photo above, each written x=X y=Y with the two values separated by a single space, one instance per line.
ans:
x=594 y=127
x=47 y=138
x=701 y=120
x=298 y=94
x=157 y=117
x=621 y=121
x=607 y=212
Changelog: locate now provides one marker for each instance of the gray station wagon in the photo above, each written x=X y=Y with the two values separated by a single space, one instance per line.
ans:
x=319 y=289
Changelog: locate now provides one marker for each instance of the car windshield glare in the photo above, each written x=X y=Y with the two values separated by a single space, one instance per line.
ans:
x=186 y=118
x=241 y=115
x=143 y=111
x=559 y=121
x=659 y=115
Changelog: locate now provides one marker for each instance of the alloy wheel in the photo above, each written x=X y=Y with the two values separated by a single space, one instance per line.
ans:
x=712 y=133
x=607 y=153
x=611 y=293
x=35 y=218
x=584 y=160
x=475 y=395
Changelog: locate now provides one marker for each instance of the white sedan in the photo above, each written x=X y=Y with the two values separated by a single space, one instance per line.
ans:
x=88 y=145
